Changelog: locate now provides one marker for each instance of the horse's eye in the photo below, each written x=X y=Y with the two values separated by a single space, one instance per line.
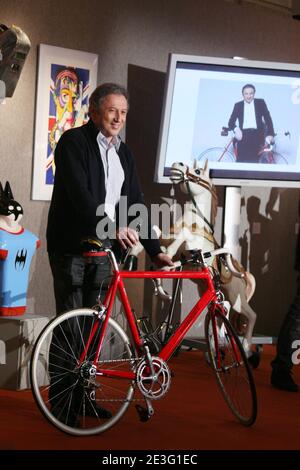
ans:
x=198 y=172
x=180 y=163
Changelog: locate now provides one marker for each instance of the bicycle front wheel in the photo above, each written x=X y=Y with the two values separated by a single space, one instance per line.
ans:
x=229 y=362
x=216 y=154
x=72 y=396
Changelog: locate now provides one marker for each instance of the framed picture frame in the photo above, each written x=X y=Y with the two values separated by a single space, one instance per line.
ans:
x=66 y=78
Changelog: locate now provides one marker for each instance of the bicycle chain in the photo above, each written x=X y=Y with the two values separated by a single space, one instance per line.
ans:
x=135 y=359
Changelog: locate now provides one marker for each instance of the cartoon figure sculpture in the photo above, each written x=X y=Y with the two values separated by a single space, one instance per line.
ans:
x=194 y=230
x=17 y=247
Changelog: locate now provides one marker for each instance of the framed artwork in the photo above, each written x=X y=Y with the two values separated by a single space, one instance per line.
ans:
x=66 y=78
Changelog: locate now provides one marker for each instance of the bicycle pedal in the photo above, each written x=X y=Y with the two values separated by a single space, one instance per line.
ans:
x=143 y=413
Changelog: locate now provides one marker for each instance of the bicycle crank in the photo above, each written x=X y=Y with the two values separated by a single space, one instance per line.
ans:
x=153 y=385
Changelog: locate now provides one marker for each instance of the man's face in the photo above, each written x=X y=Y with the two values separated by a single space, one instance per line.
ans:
x=248 y=94
x=111 y=116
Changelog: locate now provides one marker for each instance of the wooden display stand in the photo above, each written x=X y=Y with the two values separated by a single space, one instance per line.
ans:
x=17 y=337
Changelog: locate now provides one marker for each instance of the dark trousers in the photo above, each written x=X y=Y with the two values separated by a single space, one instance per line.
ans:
x=249 y=146
x=77 y=280
x=289 y=332
x=77 y=284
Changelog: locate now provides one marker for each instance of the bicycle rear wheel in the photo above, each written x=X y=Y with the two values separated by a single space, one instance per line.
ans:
x=275 y=158
x=216 y=154
x=74 y=398
x=229 y=362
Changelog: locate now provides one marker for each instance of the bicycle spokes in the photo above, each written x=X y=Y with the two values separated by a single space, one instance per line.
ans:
x=228 y=360
x=75 y=396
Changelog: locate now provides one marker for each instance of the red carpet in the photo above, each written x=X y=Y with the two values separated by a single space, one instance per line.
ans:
x=193 y=415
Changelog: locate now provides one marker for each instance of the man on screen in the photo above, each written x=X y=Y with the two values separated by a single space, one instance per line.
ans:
x=252 y=124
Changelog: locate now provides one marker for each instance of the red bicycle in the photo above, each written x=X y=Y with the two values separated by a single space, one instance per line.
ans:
x=87 y=351
x=221 y=154
x=268 y=153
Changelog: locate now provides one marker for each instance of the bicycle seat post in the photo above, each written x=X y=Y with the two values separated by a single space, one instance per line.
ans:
x=112 y=259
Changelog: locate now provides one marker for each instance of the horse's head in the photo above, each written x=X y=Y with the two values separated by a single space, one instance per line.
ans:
x=192 y=180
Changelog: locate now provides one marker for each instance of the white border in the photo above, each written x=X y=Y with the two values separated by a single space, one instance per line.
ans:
x=52 y=55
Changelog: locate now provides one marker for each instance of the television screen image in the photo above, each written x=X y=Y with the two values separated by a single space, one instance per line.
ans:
x=242 y=116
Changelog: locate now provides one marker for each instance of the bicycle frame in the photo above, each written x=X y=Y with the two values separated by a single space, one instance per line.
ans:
x=117 y=284
x=83 y=397
x=226 y=149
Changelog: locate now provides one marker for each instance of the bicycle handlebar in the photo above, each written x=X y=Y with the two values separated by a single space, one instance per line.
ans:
x=224 y=131
x=209 y=254
x=178 y=264
x=228 y=259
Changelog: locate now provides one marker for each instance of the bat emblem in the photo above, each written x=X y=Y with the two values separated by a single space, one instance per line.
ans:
x=20 y=260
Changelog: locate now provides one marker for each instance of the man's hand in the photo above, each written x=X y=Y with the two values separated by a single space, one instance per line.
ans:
x=127 y=237
x=162 y=260
x=269 y=139
x=238 y=134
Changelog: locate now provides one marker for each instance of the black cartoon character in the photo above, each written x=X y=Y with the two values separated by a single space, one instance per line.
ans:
x=8 y=206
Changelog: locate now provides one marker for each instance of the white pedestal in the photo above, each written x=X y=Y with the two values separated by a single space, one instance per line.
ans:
x=232 y=221
x=17 y=337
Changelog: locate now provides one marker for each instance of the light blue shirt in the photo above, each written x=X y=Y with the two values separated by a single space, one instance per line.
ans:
x=113 y=170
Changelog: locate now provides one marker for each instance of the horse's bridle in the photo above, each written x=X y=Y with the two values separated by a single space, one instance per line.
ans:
x=188 y=177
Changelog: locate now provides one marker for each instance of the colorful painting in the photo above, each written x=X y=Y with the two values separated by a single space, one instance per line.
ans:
x=66 y=79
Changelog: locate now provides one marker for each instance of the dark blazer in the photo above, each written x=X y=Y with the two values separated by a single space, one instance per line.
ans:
x=263 y=118
x=79 y=188
x=297 y=257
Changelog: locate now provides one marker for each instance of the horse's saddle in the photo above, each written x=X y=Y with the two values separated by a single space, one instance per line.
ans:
x=221 y=266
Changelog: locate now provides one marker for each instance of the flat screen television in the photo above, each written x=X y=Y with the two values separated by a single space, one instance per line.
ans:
x=201 y=103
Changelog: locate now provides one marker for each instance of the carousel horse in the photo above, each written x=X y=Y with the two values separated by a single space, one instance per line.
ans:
x=193 y=231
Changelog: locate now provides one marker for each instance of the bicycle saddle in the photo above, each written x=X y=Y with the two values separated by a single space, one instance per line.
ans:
x=91 y=246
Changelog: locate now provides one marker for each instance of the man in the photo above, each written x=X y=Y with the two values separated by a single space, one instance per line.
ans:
x=93 y=167
x=252 y=123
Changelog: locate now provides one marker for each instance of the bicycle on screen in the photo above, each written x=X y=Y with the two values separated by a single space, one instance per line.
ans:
x=269 y=153
x=221 y=154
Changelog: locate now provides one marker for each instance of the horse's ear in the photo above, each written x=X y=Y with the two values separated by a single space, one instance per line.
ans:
x=1 y=191
x=205 y=168
x=196 y=163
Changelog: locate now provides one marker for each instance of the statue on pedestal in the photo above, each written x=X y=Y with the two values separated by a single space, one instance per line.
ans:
x=17 y=247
